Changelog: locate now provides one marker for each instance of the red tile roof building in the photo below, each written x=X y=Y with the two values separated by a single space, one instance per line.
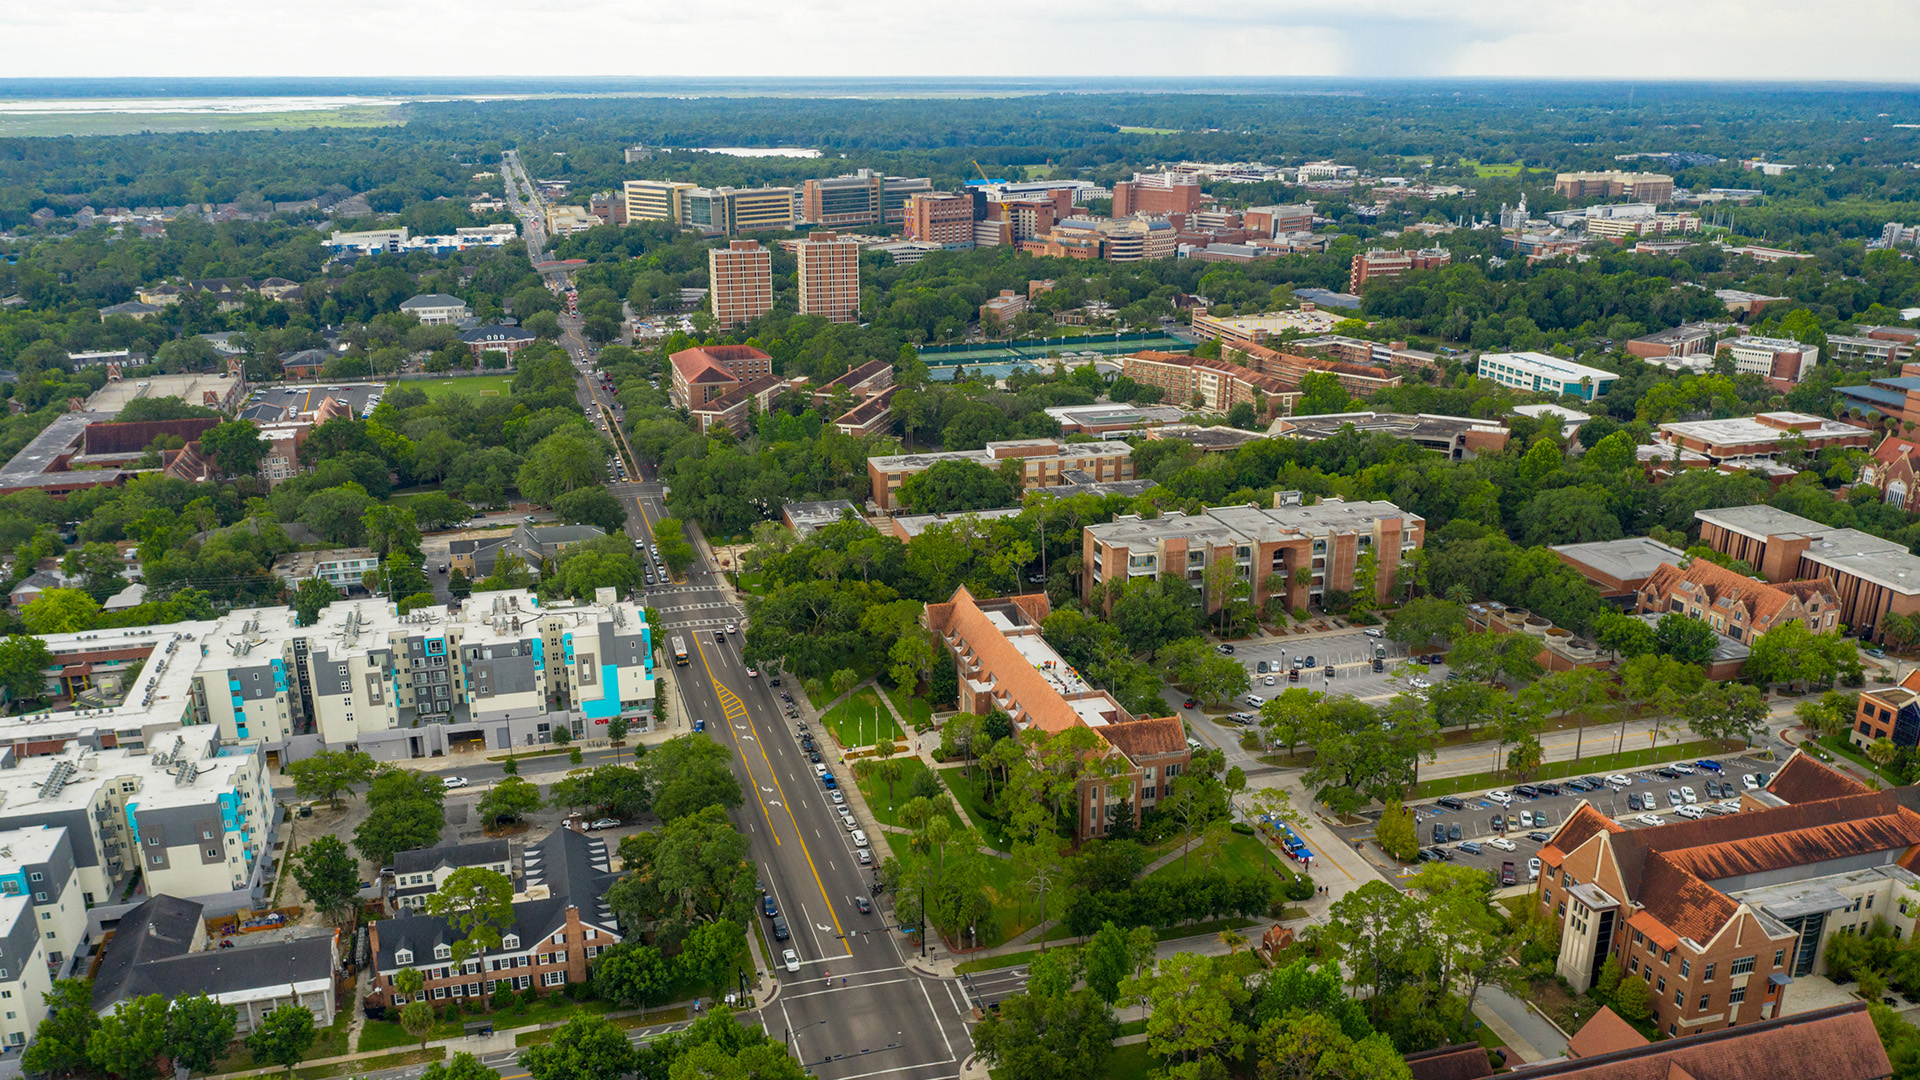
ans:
x=1837 y=1043
x=707 y=372
x=1891 y=470
x=1005 y=664
x=1718 y=916
x=1736 y=605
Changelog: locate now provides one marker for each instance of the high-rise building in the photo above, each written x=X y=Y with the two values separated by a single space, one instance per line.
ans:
x=740 y=282
x=860 y=198
x=1613 y=184
x=656 y=200
x=940 y=217
x=1156 y=193
x=1378 y=263
x=829 y=277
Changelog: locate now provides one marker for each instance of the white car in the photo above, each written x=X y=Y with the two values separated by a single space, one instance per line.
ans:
x=1687 y=794
x=1504 y=798
x=1730 y=805
x=1651 y=819
x=1268 y=681
x=1372 y=632
x=1619 y=780
x=1533 y=869
x=1751 y=781
x=753 y=673
x=865 y=857
x=836 y=796
x=820 y=768
x=1690 y=812
x=791 y=960
x=1682 y=768
x=859 y=838
x=1526 y=819
x=730 y=628
x=1419 y=684
x=1502 y=843
x=451 y=782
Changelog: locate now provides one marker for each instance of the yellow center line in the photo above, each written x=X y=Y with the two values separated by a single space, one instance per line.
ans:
x=757 y=737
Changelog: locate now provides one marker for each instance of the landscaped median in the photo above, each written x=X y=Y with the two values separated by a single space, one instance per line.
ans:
x=1598 y=765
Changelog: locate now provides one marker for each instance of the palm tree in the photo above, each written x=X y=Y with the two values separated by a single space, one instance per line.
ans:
x=1881 y=751
x=1233 y=941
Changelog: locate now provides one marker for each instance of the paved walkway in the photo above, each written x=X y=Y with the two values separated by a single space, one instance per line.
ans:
x=1528 y=1035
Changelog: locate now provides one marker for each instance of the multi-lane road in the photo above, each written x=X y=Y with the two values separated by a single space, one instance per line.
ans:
x=856 y=1008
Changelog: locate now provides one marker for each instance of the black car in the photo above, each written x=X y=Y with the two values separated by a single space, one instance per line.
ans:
x=1439 y=833
x=1540 y=837
x=1499 y=822
x=1379 y=664
x=1451 y=802
x=1453 y=831
x=1548 y=788
x=774 y=681
x=1666 y=774
x=1527 y=790
x=1225 y=650
x=1593 y=783
x=1260 y=668
x=1424 y=855
x=1446 y=854
x=1309 y=662
x=813 y=757
x=780 y=930
x=1633 y=800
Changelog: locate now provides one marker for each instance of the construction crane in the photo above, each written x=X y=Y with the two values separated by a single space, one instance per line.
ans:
x=981 y=171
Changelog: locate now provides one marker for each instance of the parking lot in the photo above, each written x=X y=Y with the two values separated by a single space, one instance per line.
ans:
x=1544 y=813
x=1351 y=656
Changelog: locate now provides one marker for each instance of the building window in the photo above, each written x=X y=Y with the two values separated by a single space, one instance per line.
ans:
x=1737 y=995
x=1739 y=967
x=1705 y=1000
x=1662 y=986
x=1707 y=975
x=1633 y=964
x=1680 y=997
x=1686 y=968
x=1779 y=957
x=553 y=978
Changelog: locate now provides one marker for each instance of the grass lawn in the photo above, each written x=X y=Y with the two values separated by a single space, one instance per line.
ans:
x=919 y=714
x=1495 y=168
x=416 y=1056
x=385 y=1034
x=1597 y=765
x=966 y=792
x=861 y=720
x=1240 y=856
x=674 y=1015
x=885 y=810
x=1008 y=896
x=1132 y=1062
x=473 y=386
x=754 y=582
x=1129 y=130
x=1838 y=744
x=327 y=1042
x=1201 y=929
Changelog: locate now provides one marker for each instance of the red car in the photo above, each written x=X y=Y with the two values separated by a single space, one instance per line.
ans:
x=1191 y=703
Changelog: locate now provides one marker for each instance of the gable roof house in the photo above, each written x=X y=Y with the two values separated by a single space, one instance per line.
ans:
x=161 y=947
x=1721 y=914
x=418 y=874
x=561 y=921
x=1736 y=605
x=1892 y=471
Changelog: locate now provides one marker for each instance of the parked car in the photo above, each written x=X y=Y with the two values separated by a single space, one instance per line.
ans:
x=1709 y=765
x=1674 y=799
x=1539 y=837
x=1269 y=680
x=1651 y=819
x=836 y=797
x=1310 y=661
x=1190 y=703
x=865 y=857
x=451 y=782
x=1453 y=831
x=1687 y=796
x=1533 y=869
x=1526 y=819
x=1470 y=847
x=1620 y=780
x=1373 y=632
x=859 y=838
x=1548 y=788
x=1327 y=671
x=1507 y=874
x=1260 y=668
x=1750 y=781
x=1690 y=812
x=1503 y=798
x=604 y=823
x=1502 y=843
x=1451 y=802
x=1682 y=768
x=1499 y=823
x=1224 y=650
x=1439 y=833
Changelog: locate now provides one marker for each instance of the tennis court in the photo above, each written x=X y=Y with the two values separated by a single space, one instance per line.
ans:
x=1001 y=358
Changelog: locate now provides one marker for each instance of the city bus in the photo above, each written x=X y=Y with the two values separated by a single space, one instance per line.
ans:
x=679 y=651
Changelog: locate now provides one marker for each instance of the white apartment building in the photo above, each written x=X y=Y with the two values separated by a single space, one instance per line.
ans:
x=1540 y=373
x=435 y=309
x=342 y=568
x=37 y=863
x=24 y=978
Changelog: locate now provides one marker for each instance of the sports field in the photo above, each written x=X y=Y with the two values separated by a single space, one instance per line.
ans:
x=1040 y=348
x=473 y=386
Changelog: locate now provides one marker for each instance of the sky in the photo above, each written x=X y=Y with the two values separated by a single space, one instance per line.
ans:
x=1626 y=39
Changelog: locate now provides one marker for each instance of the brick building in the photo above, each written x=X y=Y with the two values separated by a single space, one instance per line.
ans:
x=1891 y=470
x=1782 y=362
x=1272 y=221
x=1619 y=569
x=1359 y=380
x=1691 y=339
x=1035 y=463
x=1376 y=263
x=1156 y=193
x=1743 y=440
x=1719 y=915
x=739 y=282
x=1869 y=576
x=1835 y=1043
x=1888 y=712
x=1733 y=604
x=940 y=217
x=1005 y=664
x=829 y=277
x=1218 y=385
x=1329 y=538
x=560 y=924
x=706 y=372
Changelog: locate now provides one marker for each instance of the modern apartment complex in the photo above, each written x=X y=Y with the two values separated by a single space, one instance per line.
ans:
x=739 y=283
x=37 y=863
x=860 y=198
x=1719 y=915
x=1331 y=540
x=1376 y=263
x=342 y=568
x=1005 y=664
x=829 y=276
x=1869 y=576
x=1036 y=463
x=25 y=978
x=1543 y=374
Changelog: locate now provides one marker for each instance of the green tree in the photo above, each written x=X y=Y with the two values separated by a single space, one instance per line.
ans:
x=283 y=1036
x=61 y=611
x=311 y=597
x=199 y=1029
x=950 y=487
x=632 y=974
x=592 y=506
x=1689 y=641
x=326 y=774
x=669 y=535
x=1308 y=1046
x=1036 y=1037
x=329 y=876
x=1631 y=1000
x=130 y=1040
x=1396 y=832
x=512 y=799
x=712 y=952
x=478 y=903
x=389 y=529
x=236 y=446
x=1425 y=621
x=569 y=459
x=1108 y=960
x=417 y=1020
x=1194 y=1001
x=23 y=661
x=61 y=1043
x=461 y=1066
x=689 y=773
